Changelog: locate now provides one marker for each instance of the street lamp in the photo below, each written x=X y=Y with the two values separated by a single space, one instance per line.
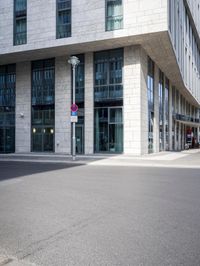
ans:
x=73 y=61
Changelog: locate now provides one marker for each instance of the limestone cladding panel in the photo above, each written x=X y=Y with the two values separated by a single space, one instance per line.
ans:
x=88 y=22
x=6 y=24
x=62 y=106
x=41 y=20
x=89 y=104
x=132 y=100
x=23 y=107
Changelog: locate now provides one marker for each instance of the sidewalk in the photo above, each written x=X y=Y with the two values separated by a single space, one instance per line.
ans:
x=5 y=259
x=183 y=159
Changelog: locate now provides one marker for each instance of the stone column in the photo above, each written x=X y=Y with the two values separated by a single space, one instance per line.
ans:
x=132 y=100
x=23 y=107
x=89 y=104
x=62 y=105
x=135 y=101
x=156 y=128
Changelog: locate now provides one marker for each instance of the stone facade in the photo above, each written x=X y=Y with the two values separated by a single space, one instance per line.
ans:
x=148 y=31
x=89 y=104
x=23 y=108
x=62 y=106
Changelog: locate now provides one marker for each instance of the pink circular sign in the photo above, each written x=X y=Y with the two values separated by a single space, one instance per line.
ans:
x=74 y=108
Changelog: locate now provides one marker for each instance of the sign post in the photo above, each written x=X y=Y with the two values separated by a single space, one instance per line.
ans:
x=74 y=114
x=74 y=61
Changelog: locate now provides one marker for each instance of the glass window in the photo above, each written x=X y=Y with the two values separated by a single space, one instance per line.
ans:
x=114 y=15
x=161 y=111
x=108 y=130
x=7 y=108
x=115 y=115
x=63 y=19
x=150 y=89
x=167 y=113
x=20 y=22
x=43 y=82
x=43 y=113
x=108 y=75
x=108 y=99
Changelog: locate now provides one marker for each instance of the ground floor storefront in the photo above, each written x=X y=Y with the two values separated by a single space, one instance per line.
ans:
x=126 y=105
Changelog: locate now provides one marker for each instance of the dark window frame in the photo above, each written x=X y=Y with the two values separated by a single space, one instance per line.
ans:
x=64 y=9
x=7 y=108
x=110 y=88
x=107 y=17
x=17 y=16
x=43 y=107
x=150 y=93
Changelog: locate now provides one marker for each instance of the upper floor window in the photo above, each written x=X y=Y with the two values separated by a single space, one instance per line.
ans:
x=7 y=85
x=150 y=83
x=63 y=28
x=114 y=15
x=108 y=75
x=43 y=82
x=20 y=22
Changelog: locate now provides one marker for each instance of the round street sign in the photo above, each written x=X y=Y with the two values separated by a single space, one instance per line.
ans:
x=74 y=108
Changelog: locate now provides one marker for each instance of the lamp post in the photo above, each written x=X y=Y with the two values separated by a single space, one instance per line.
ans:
x=73 y=61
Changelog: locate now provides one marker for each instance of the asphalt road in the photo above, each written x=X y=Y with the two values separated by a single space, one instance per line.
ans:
x=59 y=215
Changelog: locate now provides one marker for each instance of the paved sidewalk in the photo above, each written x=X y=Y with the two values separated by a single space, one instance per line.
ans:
x=183 y=159
x=11 y=261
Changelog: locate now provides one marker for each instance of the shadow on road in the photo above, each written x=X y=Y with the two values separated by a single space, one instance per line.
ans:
x=10 y=170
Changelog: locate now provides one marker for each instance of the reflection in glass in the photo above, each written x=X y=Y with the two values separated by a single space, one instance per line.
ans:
x=150 y=89
x=108 y=130
x=43 y=113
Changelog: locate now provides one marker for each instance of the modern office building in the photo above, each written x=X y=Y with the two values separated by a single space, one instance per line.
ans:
x=137 y=83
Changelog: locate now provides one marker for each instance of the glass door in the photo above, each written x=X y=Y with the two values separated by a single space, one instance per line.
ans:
x=42 y=139
x=7 y=139
x=79 y=139
x=108 y=130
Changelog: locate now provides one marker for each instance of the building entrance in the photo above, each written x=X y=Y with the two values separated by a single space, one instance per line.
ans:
x=7 y=139
x=42 y=139
x=108 y=129
x=79 y=139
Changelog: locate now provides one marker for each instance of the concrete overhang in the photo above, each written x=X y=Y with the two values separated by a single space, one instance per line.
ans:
x=157 y=45
x=188 y=123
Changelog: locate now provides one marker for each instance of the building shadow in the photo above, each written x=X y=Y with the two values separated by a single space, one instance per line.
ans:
x=13 y=169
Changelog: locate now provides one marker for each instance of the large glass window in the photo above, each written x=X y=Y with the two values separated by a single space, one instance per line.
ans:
x=43 y=82
x=108 y=75
x=166 y=114
x=173 y=117
x=114 y=15
x=63 y=19
x=161 y=111
x=43 y=116
x=7 y=108
x=20 y=22
x=108 y=101
x=150 y=87
x=108 y=129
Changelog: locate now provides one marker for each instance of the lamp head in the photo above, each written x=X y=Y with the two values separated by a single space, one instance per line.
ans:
x=74 y=61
